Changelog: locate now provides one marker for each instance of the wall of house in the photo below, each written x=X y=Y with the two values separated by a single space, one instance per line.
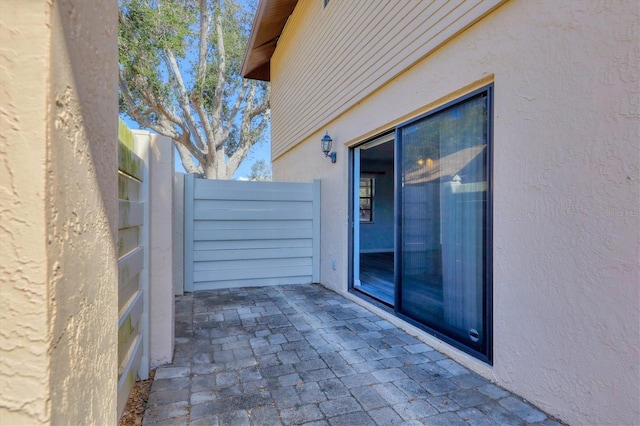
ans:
x=82 y=211
x=566 y=167
x=24 y=333
x=398 y=34
x=59 y=212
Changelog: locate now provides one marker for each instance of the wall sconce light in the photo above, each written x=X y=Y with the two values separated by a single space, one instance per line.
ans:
x=326 y=147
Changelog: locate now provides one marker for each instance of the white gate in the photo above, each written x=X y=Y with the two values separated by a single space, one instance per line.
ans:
x=133 y=264
x=248 y=234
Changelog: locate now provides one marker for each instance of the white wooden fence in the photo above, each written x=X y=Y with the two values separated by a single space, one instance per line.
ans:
x=247 y=234
x=133 y=264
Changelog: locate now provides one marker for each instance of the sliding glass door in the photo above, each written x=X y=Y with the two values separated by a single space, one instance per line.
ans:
x=444 y=235
x=421 y=240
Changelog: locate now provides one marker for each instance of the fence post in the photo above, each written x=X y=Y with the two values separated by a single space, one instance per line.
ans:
x=142 y=140
x=161 y=307
x=316 y=232
x=178 y=233
x=189 y=183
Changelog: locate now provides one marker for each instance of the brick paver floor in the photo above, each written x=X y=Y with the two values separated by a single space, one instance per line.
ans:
x=293 y=355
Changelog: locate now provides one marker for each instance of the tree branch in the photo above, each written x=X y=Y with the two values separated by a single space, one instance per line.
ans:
x=264 y=105
x=196 y=96
x=222 y=70
x=168 y=119
x=248 y=107
x=263 y=123
x=162 y=129
x=187 y=161
x=236 y=159
x=158 y=108
x=183 y=99
x=139 y=116
x=236 y=108
x=205 y=21
x=246 y=142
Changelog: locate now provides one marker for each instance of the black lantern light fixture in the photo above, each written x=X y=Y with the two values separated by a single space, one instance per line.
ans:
x=326 y=147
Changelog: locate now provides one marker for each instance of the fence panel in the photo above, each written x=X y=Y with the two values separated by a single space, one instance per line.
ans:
x=248 y=234
x=133 y=264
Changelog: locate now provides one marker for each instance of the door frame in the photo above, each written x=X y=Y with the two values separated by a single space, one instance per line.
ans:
x=354 y=217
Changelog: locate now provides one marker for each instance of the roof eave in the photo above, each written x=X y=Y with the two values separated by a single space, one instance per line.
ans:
x=268 y=23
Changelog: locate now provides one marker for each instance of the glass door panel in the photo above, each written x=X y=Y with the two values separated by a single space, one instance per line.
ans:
x=443 y=214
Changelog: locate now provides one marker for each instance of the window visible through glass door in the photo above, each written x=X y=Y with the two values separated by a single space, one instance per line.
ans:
x=366 y=199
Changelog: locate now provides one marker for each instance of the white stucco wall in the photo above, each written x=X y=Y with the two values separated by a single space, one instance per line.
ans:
x=566 y=194
x=59 y=212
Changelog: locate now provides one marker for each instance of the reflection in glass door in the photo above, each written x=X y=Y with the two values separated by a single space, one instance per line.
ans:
x=444 y=238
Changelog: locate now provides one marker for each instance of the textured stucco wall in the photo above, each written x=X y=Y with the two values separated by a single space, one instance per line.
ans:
x=59 y=129
x=24 y=333
x=566 y=194
x=82 y=211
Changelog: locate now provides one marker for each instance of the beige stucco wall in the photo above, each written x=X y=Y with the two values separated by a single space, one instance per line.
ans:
x=566 y=193
x=24 y=334
x=59 y=212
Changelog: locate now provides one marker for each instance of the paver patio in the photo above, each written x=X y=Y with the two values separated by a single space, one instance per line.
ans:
x=293 y=355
